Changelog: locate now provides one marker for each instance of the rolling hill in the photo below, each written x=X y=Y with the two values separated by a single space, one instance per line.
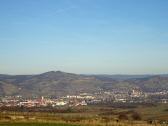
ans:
x=57 y=83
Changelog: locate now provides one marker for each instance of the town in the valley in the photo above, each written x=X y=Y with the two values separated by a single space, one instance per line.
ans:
x=83 y=98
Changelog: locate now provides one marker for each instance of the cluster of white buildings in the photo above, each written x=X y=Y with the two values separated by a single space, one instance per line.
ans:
x=69 y=100
x=83 y=99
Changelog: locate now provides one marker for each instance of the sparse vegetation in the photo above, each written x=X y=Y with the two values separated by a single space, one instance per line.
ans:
x=34 y=124
x=99 y=115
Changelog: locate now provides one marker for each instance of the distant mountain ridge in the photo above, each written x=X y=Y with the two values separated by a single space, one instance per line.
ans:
x=58 y=83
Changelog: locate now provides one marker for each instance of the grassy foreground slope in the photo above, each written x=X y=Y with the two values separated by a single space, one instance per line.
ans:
x=34 y=124
x=96 y=115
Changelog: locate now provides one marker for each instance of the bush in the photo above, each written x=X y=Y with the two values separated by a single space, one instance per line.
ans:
x=136 y=116
x=123 y=117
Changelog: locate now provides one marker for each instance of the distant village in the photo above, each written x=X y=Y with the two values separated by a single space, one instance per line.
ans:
x=84 y=99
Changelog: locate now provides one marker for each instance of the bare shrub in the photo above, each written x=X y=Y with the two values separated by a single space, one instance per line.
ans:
x=122 y=116
x=136 y=116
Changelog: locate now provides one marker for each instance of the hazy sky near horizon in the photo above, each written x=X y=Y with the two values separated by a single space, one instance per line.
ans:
x=84 y=36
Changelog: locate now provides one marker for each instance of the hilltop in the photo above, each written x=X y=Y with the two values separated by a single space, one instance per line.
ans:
x=58 y=83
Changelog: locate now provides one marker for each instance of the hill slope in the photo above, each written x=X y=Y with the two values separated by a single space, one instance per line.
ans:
x=60 y=83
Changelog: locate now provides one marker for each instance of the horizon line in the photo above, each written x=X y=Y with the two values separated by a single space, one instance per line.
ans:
x=117 y=74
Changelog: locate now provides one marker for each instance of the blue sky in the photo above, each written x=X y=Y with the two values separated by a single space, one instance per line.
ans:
x=84 y=36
